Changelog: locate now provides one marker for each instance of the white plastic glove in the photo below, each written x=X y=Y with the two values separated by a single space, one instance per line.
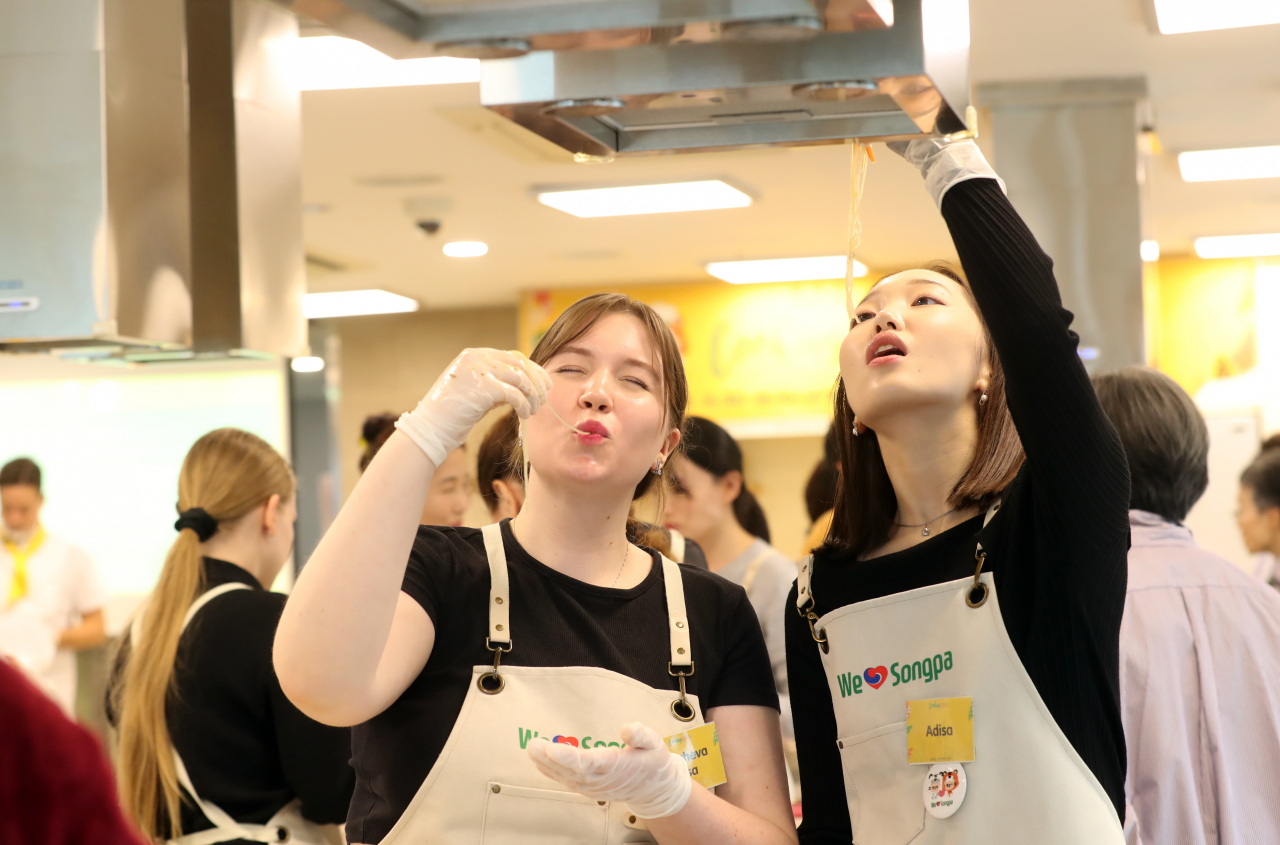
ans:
x=645 y=775
x=945 y=163
x=477 y=381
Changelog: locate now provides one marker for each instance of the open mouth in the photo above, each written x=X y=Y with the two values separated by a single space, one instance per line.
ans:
x=885 y=346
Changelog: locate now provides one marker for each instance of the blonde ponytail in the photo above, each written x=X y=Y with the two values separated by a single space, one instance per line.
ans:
x=228 y=473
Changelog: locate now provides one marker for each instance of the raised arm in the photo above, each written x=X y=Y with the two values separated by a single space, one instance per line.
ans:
x=349 y=643
x=1071 y=447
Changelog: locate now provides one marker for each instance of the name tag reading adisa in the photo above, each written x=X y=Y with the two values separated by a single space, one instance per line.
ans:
x=940 y=730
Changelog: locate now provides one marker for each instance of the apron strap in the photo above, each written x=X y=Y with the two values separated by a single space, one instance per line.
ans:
x=677 y=545
x=753 y=568
x=499 y=586
x=978 y=592
x=681 y=664
x=804 y=593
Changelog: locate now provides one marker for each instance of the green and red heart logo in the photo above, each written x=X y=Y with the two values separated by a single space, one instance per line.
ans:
x=875 y=676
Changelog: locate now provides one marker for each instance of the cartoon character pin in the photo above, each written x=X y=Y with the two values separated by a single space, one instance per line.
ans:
x=944 y=789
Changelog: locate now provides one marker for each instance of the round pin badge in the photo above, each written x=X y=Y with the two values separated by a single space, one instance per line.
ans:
x=944 y=789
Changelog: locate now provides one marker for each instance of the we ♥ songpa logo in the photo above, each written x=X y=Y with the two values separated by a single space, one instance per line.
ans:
x=875 y=676
x=927 y=669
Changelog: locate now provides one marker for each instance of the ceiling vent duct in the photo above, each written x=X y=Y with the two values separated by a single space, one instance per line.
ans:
x=150 y=169
x=610 y=78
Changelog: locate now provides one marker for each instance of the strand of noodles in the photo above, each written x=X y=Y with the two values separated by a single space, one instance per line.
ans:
x=857 y=177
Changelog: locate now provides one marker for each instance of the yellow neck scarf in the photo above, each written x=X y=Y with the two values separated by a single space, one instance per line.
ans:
x=18 y=586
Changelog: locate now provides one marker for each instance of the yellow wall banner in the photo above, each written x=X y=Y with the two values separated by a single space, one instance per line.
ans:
x=761 y=359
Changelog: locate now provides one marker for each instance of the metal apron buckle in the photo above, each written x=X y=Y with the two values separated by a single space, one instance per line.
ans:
x=981 y=557
x=492 y=683
x=681 y=708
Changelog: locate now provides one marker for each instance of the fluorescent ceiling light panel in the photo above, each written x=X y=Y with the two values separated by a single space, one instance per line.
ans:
x=1238 y=246
x=1221 y=165
x=466 y=249
x=355 y=303
x=1175 y=16
x=1150 y=250
x=307 y=364
x=327 y=62
x=646 y=199
x=784 y=270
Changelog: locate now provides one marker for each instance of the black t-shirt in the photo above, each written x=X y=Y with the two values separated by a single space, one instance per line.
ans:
x=1057 y=548
x=247 y=748
x=556 y=620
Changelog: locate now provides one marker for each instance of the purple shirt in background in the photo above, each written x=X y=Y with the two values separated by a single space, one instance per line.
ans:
x=1200 y=693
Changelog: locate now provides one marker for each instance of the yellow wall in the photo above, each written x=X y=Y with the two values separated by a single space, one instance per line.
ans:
x=762 y=359
x=1201 y=322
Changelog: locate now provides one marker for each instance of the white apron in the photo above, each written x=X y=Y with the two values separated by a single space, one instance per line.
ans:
x=287 y=825
x=1026 y=783
x=484 y=789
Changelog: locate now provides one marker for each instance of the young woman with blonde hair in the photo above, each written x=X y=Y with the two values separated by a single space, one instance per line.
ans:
x=210 y=749
x=966 y=589
x=459 y=652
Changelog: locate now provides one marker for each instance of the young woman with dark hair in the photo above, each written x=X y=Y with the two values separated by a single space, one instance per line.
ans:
x=458 y=652
x=963 y=586
x=712 y=506
x=451 y=486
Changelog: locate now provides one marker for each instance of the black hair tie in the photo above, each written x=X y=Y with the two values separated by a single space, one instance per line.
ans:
x=199 y=521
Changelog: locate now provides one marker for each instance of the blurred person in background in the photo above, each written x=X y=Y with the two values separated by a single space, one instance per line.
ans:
x=820 y=491
x=451 y=487
x=55 y=783
x=1258 y=512
x=48 y=588
x=1199 y=651
x=501 y=483
x=712 y=506
x=210 y=749
x=1264 y=558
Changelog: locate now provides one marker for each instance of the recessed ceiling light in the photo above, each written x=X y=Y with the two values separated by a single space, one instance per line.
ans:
x=307 y=364
x=646 y=199
x=466 y=249
x=784 y=270
x=1150 y=250
x=355 y=303
x=1175 y=16
x=328 y=62
x=1238 y=246
x=1220 y=165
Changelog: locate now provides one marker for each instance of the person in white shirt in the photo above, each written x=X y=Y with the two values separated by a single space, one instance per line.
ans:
x=50 y=597
x=1199 y=642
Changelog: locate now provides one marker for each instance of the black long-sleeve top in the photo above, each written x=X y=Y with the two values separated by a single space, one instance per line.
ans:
x=1057 y=548
x=247 y=748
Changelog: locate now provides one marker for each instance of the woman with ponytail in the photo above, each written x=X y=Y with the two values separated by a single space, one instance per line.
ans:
x=210 y=749
x=712 y=506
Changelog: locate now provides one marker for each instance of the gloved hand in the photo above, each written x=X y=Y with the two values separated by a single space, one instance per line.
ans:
x=645 y=775
x=944 y=163
x=477 y=381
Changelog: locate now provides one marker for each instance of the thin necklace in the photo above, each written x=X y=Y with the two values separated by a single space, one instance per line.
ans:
x=925 y=525
x=626 y=552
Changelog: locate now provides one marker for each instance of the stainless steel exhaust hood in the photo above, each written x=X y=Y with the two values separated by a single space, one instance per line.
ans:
x=150 y=170
x=607 y=78
x=489 y=29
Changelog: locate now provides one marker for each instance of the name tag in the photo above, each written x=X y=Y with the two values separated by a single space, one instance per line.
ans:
x=700 y=748
x=940 y=730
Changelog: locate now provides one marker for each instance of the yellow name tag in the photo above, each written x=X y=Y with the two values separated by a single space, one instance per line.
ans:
x=700 y=748
x=940 y=730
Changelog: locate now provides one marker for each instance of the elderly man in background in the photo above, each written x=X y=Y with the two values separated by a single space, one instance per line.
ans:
x=50 y=597
x=1199 y=643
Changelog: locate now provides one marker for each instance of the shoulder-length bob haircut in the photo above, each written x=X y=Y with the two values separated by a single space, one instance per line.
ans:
x=578 y=319
x=865 y=500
